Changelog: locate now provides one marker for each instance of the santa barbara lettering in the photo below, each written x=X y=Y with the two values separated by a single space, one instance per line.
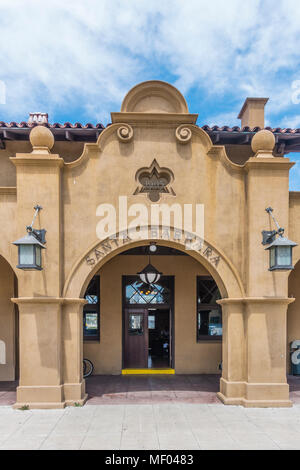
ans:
x=189 y=241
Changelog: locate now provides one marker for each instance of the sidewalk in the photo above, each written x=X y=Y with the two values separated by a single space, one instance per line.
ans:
x=164 y=426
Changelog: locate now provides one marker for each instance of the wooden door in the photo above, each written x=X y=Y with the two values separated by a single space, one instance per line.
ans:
x=136 y=339
x=171 y=351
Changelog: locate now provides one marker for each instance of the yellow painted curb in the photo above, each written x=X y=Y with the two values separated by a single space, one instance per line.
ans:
x=148 y=371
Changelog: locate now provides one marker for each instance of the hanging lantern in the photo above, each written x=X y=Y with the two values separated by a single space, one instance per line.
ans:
x=29 y=252
x=30 y=247
x=280 y=248
x=150 y=275
x=281 y=254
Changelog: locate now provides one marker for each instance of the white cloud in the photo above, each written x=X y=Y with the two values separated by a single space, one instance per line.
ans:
x=74 y=54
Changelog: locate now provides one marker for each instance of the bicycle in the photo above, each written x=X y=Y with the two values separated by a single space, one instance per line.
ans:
x=88 y=368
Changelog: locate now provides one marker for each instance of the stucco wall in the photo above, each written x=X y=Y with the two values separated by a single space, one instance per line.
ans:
x=190 y=357
x=69 y=151
x=294 y=222
x=199 y=179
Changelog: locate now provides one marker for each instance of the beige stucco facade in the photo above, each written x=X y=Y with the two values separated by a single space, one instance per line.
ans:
x=70 y=181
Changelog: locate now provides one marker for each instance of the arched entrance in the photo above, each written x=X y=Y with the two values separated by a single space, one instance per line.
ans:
x=293 y=331
x=293 y=323
x=105 y=254
x=8 y=323
x=172 y=324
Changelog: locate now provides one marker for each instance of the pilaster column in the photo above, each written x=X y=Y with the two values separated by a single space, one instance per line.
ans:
x=72 y=349
x=254 y=352
x=255 y=327
x=266 y=321
x=232 y=384
x=39 y=182
x=40 y=383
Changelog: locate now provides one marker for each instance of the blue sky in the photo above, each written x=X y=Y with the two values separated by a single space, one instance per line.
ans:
x=77 y=59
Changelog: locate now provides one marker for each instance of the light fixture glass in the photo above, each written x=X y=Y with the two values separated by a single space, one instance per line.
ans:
x=150 y=275
x=153 y=247
x=281 y=254
x=29 y=252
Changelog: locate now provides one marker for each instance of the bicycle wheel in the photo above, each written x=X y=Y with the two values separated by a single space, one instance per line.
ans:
x=88 y=368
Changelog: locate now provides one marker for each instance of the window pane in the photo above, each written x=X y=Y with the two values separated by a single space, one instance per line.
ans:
x=137 y=292
x=272 y=257
x=92 y=299
x=208 y=292
x=210 y=322
x=284 y=255
x=91 y=324
x=151 y=322
x=135 y=326
x=91 y=315
x=26 y=254
x=38 y=255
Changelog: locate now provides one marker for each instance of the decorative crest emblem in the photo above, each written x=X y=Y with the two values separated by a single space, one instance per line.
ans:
x=154 y=181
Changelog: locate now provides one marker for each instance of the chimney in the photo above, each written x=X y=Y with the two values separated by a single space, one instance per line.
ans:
x=252 y=113
x=39 y=118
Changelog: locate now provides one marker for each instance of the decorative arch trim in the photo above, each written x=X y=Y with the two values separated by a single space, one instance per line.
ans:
x=154 y=88
x=213 y=259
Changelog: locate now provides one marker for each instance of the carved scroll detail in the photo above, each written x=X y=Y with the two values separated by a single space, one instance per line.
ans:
x=125 y=133
x=183 y=134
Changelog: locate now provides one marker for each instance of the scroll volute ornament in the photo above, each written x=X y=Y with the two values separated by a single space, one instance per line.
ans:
x=125 y=133
x=183 y=134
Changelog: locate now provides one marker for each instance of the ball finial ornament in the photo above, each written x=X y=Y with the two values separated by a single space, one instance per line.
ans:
x=41 y=136
x=263 y=141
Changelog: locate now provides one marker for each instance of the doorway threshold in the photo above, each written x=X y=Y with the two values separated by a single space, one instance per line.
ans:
x=148 y=371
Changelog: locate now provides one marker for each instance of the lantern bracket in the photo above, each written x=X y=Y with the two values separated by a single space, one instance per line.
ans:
x=270 y=236
x=40 y=235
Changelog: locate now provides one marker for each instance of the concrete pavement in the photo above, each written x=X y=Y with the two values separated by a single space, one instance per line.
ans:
x=179 y=426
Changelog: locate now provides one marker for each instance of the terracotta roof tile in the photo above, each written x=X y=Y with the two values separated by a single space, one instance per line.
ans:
x=56 y=125
x=78 y=125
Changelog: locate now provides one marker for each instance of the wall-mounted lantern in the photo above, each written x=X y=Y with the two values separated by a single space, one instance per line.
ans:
x=280 y=248
x=30 y=247
x=150 y=275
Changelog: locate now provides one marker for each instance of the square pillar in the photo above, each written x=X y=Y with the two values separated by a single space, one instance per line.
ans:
x=72 y=351
x=254 y=352
x=266 y=326
x=40 y=353
x=232 y=384
x=40 y=326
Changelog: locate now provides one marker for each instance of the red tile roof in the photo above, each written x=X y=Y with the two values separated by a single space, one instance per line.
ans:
x=287 y=139
x=56 y=125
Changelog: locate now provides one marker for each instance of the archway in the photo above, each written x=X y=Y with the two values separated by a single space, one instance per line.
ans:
x=105 y=256
x=8 y=323
x=293 y=320
x=181 y=307
x=212 y=258
x=293 y=330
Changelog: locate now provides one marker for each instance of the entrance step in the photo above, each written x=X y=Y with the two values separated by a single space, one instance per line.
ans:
x=148 y=371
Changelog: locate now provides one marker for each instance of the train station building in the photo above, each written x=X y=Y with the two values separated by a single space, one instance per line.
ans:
x=86 y=274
